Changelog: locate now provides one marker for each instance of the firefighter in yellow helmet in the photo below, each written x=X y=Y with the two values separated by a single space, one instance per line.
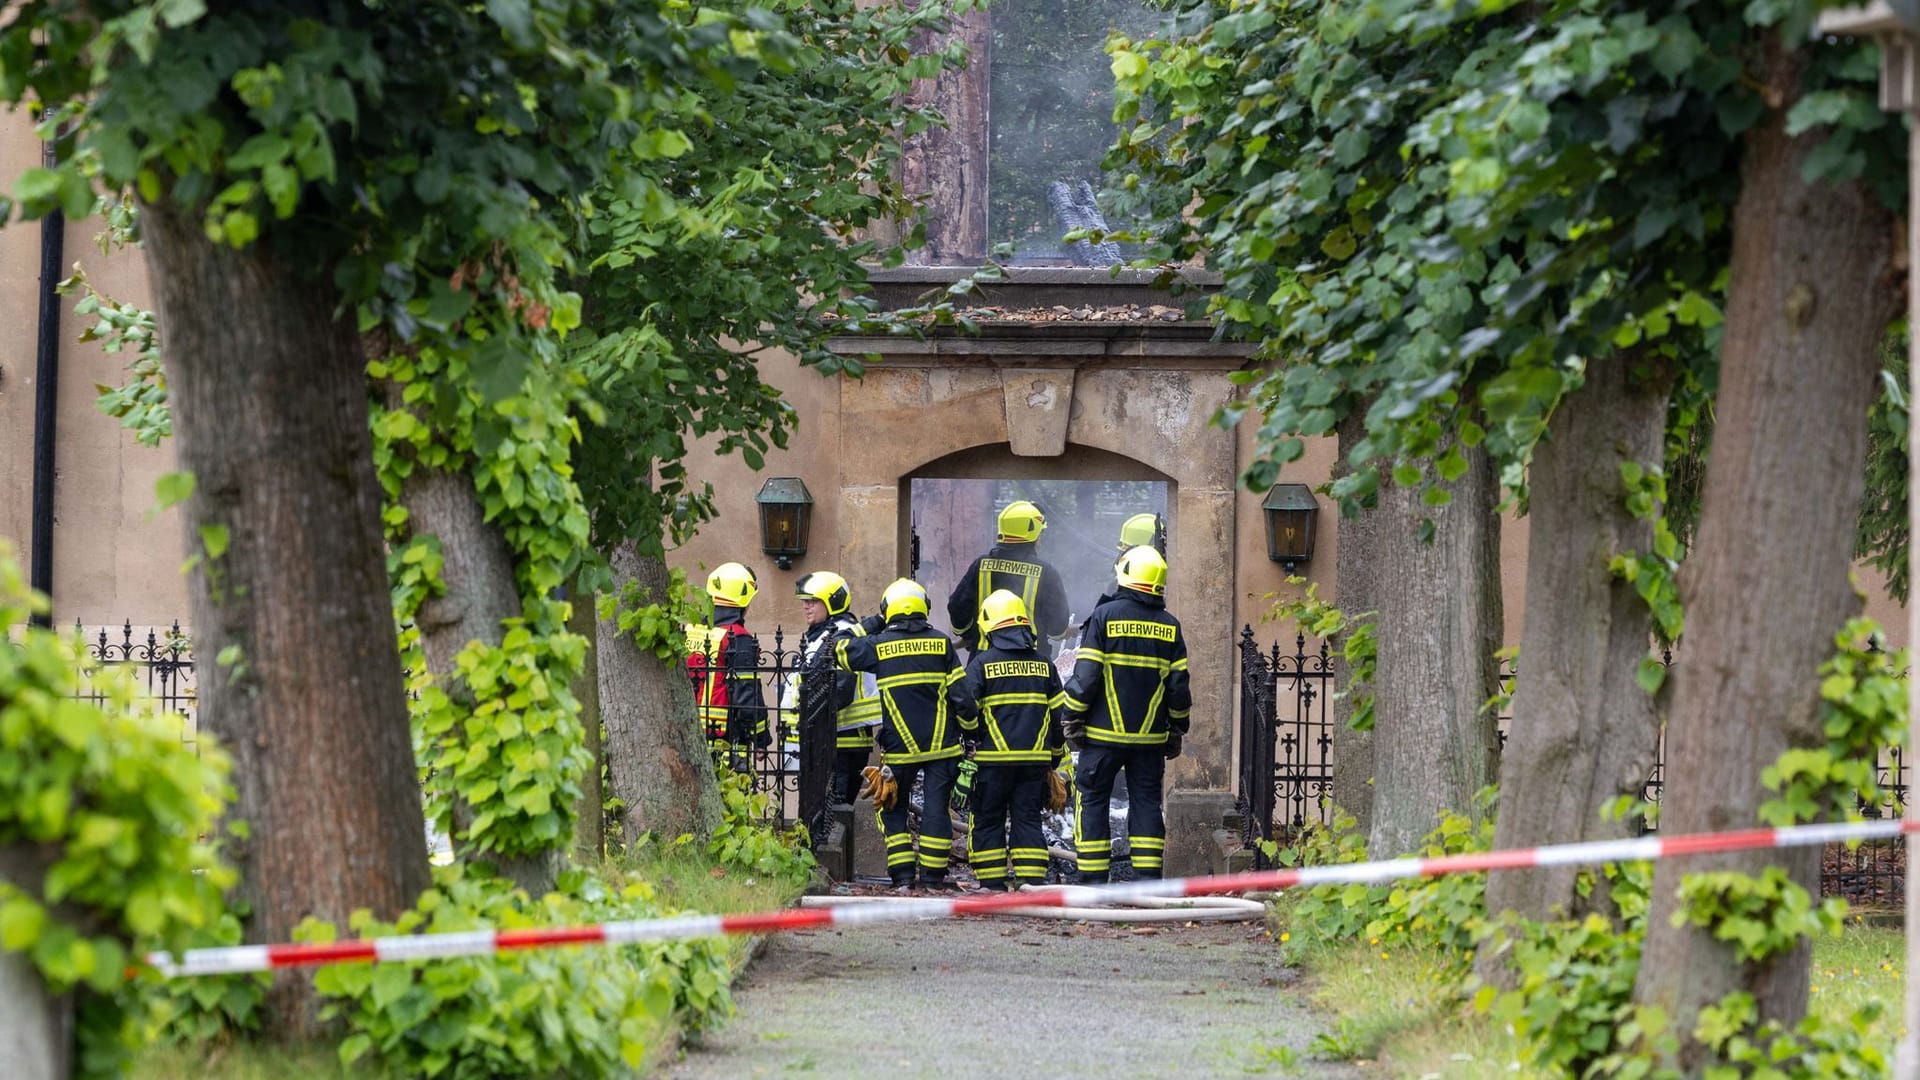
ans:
x=916 y=667
x=1010 y=695
x=1013 y=566
x=723 y=660
x=1128 y=705
x=1140 y=530
x=827 y=603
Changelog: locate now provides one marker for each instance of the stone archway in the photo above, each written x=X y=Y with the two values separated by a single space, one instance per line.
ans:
x=1074 y=416
x=1087 y=492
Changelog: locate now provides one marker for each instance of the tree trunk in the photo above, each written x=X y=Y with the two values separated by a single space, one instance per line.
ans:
x=1584 y=732
x=36 y=1025
x=1766 y=583
x=304 y=685
x=1434 y=742
x=657 y=755
x=1357 y=563
x=477 y=570
x=947 y=166
x=590 y=820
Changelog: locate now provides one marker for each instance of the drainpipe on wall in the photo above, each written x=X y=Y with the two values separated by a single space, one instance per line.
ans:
x=46 y=391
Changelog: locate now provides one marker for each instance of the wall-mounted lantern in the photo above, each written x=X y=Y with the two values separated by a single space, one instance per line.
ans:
x=786 y=511
x=1290 y=510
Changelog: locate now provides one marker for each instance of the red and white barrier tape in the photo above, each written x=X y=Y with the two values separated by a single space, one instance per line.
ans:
x=247 y=958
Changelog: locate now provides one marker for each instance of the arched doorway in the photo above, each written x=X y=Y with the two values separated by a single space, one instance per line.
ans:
x=949 y=506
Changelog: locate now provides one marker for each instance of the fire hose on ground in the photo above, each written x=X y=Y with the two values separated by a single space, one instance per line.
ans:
x=1145 y=909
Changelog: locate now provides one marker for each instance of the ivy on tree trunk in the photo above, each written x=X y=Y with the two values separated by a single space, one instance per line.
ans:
x=657 y=756
x=1766 y=585
x=289 y=597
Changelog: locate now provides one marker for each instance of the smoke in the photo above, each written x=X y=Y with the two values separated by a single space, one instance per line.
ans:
x=956 y=521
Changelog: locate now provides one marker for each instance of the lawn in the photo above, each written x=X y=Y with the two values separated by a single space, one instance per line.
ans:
x=1392 y=1006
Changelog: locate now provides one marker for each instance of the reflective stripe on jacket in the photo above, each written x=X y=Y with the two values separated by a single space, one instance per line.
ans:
x=856 y=698
x=1129 y=681
x=1012 y=567
x=914 y=667
x=722 y=661
x=1012 y=696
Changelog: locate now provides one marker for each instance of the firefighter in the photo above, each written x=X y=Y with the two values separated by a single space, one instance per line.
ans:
x=724 y=659
x=915 y=667
x=1012 y=566
x=827 y=603
x=1127 y=707
x=1138 y=530
x=1008 y=700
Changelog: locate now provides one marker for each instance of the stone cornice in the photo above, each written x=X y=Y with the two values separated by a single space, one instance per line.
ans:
x=1018 y=342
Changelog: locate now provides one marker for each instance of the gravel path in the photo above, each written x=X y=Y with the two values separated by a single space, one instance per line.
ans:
x=980 y=998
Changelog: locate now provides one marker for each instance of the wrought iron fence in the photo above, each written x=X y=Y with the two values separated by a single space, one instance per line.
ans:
x=797 y=715
x=1285 y=766
x=161 y=664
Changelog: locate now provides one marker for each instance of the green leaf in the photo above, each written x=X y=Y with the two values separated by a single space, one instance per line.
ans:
x=263 y=149
x=21 y=921
x=214 y=537
x=178 y=13
x=36 y=185
x=514 y=16
x=354 y=1047
x=1651 y=674
x=173 y=488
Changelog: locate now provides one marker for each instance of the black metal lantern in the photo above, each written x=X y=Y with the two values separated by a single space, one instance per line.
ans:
x=1290 y=510
x=786 y=511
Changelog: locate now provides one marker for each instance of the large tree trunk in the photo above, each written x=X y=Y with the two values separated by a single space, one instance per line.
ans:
x=477 y=570
x=36 y=1025
x=303 y=685
x=657 y=755
x=1434 y=742
x=1357 y=562
x=589 y=829
x=947 y=166
x=1584 y=732
x=1766 y=583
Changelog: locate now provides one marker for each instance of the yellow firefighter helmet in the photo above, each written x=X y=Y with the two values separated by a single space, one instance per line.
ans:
x=1143 y=570
x=1140 y=529
x=732 y=584
x=1003 y=609
x=1021 y=523
x=827 y=587
x=904 y=597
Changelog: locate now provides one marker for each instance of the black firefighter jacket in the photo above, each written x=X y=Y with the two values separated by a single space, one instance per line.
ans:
x=1014 y=568
x=1129 y=684
x=915 y=666
x=1008 y=700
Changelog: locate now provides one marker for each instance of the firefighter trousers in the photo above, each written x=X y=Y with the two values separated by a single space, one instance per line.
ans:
x=1099 y=766
x=936 y=826
x=844 y=781
x=1002 y=793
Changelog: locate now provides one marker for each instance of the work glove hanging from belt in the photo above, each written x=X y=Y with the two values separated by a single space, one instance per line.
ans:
x=960 y=799
x=1056 y=791
x=1172 y=748
x=879 y=785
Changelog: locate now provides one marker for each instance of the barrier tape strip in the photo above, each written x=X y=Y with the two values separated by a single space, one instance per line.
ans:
x=252 y=958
